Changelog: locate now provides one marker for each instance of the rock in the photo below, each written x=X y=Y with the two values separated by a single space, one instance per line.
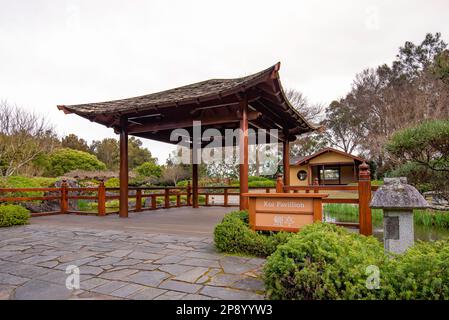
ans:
x=54 y=205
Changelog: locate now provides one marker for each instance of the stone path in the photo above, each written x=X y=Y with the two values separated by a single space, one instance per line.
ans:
x=121 y=265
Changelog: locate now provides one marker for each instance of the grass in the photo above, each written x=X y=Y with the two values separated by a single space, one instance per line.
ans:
x=348 y=212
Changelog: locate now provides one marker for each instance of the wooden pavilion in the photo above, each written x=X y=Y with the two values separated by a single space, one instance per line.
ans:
x=256 y=101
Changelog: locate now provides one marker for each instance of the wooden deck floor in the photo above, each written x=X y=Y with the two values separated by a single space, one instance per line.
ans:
x=178 y=221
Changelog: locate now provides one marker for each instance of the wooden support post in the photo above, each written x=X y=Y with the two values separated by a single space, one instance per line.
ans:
x=317 y=210
x=178 y=200
x=195 y=184
x=279 y=184
x=64 y=197
x=206 y=201
x=286 y=161
x=123 y=211
x=225 y=196
x=365 y=222
x=139 y=200
x=189 y=194
x=243 y=145
x=153 y=202
x=101 y=199
x=252 y=213
x=167 y=198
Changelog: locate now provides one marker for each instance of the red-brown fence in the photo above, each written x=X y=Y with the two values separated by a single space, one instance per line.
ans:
x=183 y=197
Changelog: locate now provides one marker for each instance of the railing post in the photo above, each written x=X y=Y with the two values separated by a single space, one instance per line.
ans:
x=178 y=200
x=316 y=184
x=101 y=199
x=206 y=201
x=189 y=193
x=365 y=222
x=225 y=201
x=279 y=184
x=153 y=202
x=167 y=198
x=64 y=197
x=138 y=200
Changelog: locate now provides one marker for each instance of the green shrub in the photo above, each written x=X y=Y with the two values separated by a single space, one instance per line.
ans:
x=257 y=182
x=322 y=261
x=112 y=183
x=25 y=182
x=149 y=169
x=64 y=160
x=421 y=273
x=11 y=215
x=182 y=183
x=233 y=235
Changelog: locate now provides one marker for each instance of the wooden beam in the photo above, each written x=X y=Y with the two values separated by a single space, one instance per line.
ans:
x=123 y=211
x=195 y=184
x=286 y=161
x=188 y=122
x=243 y=154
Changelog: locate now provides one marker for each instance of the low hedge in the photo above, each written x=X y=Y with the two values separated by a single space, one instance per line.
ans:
x=322 y=262
x=328 y=262
x=233 y=235
x=11 y=215
x=421 y=273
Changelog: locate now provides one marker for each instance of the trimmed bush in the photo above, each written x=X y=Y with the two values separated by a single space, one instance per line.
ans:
x=323 y=261
x=112 y=183
x=149 y=169
x=257 y=182
x=65 y=160
x=233 y=235
x=421 y=273
x=11 y=215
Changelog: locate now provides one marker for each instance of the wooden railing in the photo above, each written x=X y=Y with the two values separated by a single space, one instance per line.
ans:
x=161 y=197
x=363 y=192
x=360 y=195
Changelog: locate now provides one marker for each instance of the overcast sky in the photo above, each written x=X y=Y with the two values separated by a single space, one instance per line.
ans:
x=68 y=52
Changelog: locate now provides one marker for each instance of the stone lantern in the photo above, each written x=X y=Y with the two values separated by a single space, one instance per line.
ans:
x=398 y=199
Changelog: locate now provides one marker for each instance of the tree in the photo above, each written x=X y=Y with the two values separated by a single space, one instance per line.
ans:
x=426 y=144
x=149 y=169
x=23 y=137
x=107 y=151
x=422 y=152
x=441 y=66
x=311 y=112
x=413 y=59
x=343 y=130
x=310 y=143
x=386 y=99
x=64 y=160
x=174 y=173
x=137 y=154
x=72 y=141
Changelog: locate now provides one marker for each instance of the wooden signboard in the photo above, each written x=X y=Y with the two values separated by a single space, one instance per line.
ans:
x=284 y=211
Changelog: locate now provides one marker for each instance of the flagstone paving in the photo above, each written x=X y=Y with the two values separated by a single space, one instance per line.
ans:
x=117 y=264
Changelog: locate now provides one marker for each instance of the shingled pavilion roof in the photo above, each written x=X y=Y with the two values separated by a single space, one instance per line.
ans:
x=214 y=102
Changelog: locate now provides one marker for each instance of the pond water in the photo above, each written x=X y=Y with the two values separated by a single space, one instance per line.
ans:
x=425 y=233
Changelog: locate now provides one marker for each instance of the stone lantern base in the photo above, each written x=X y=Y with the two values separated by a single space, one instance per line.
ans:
x=398 y=230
